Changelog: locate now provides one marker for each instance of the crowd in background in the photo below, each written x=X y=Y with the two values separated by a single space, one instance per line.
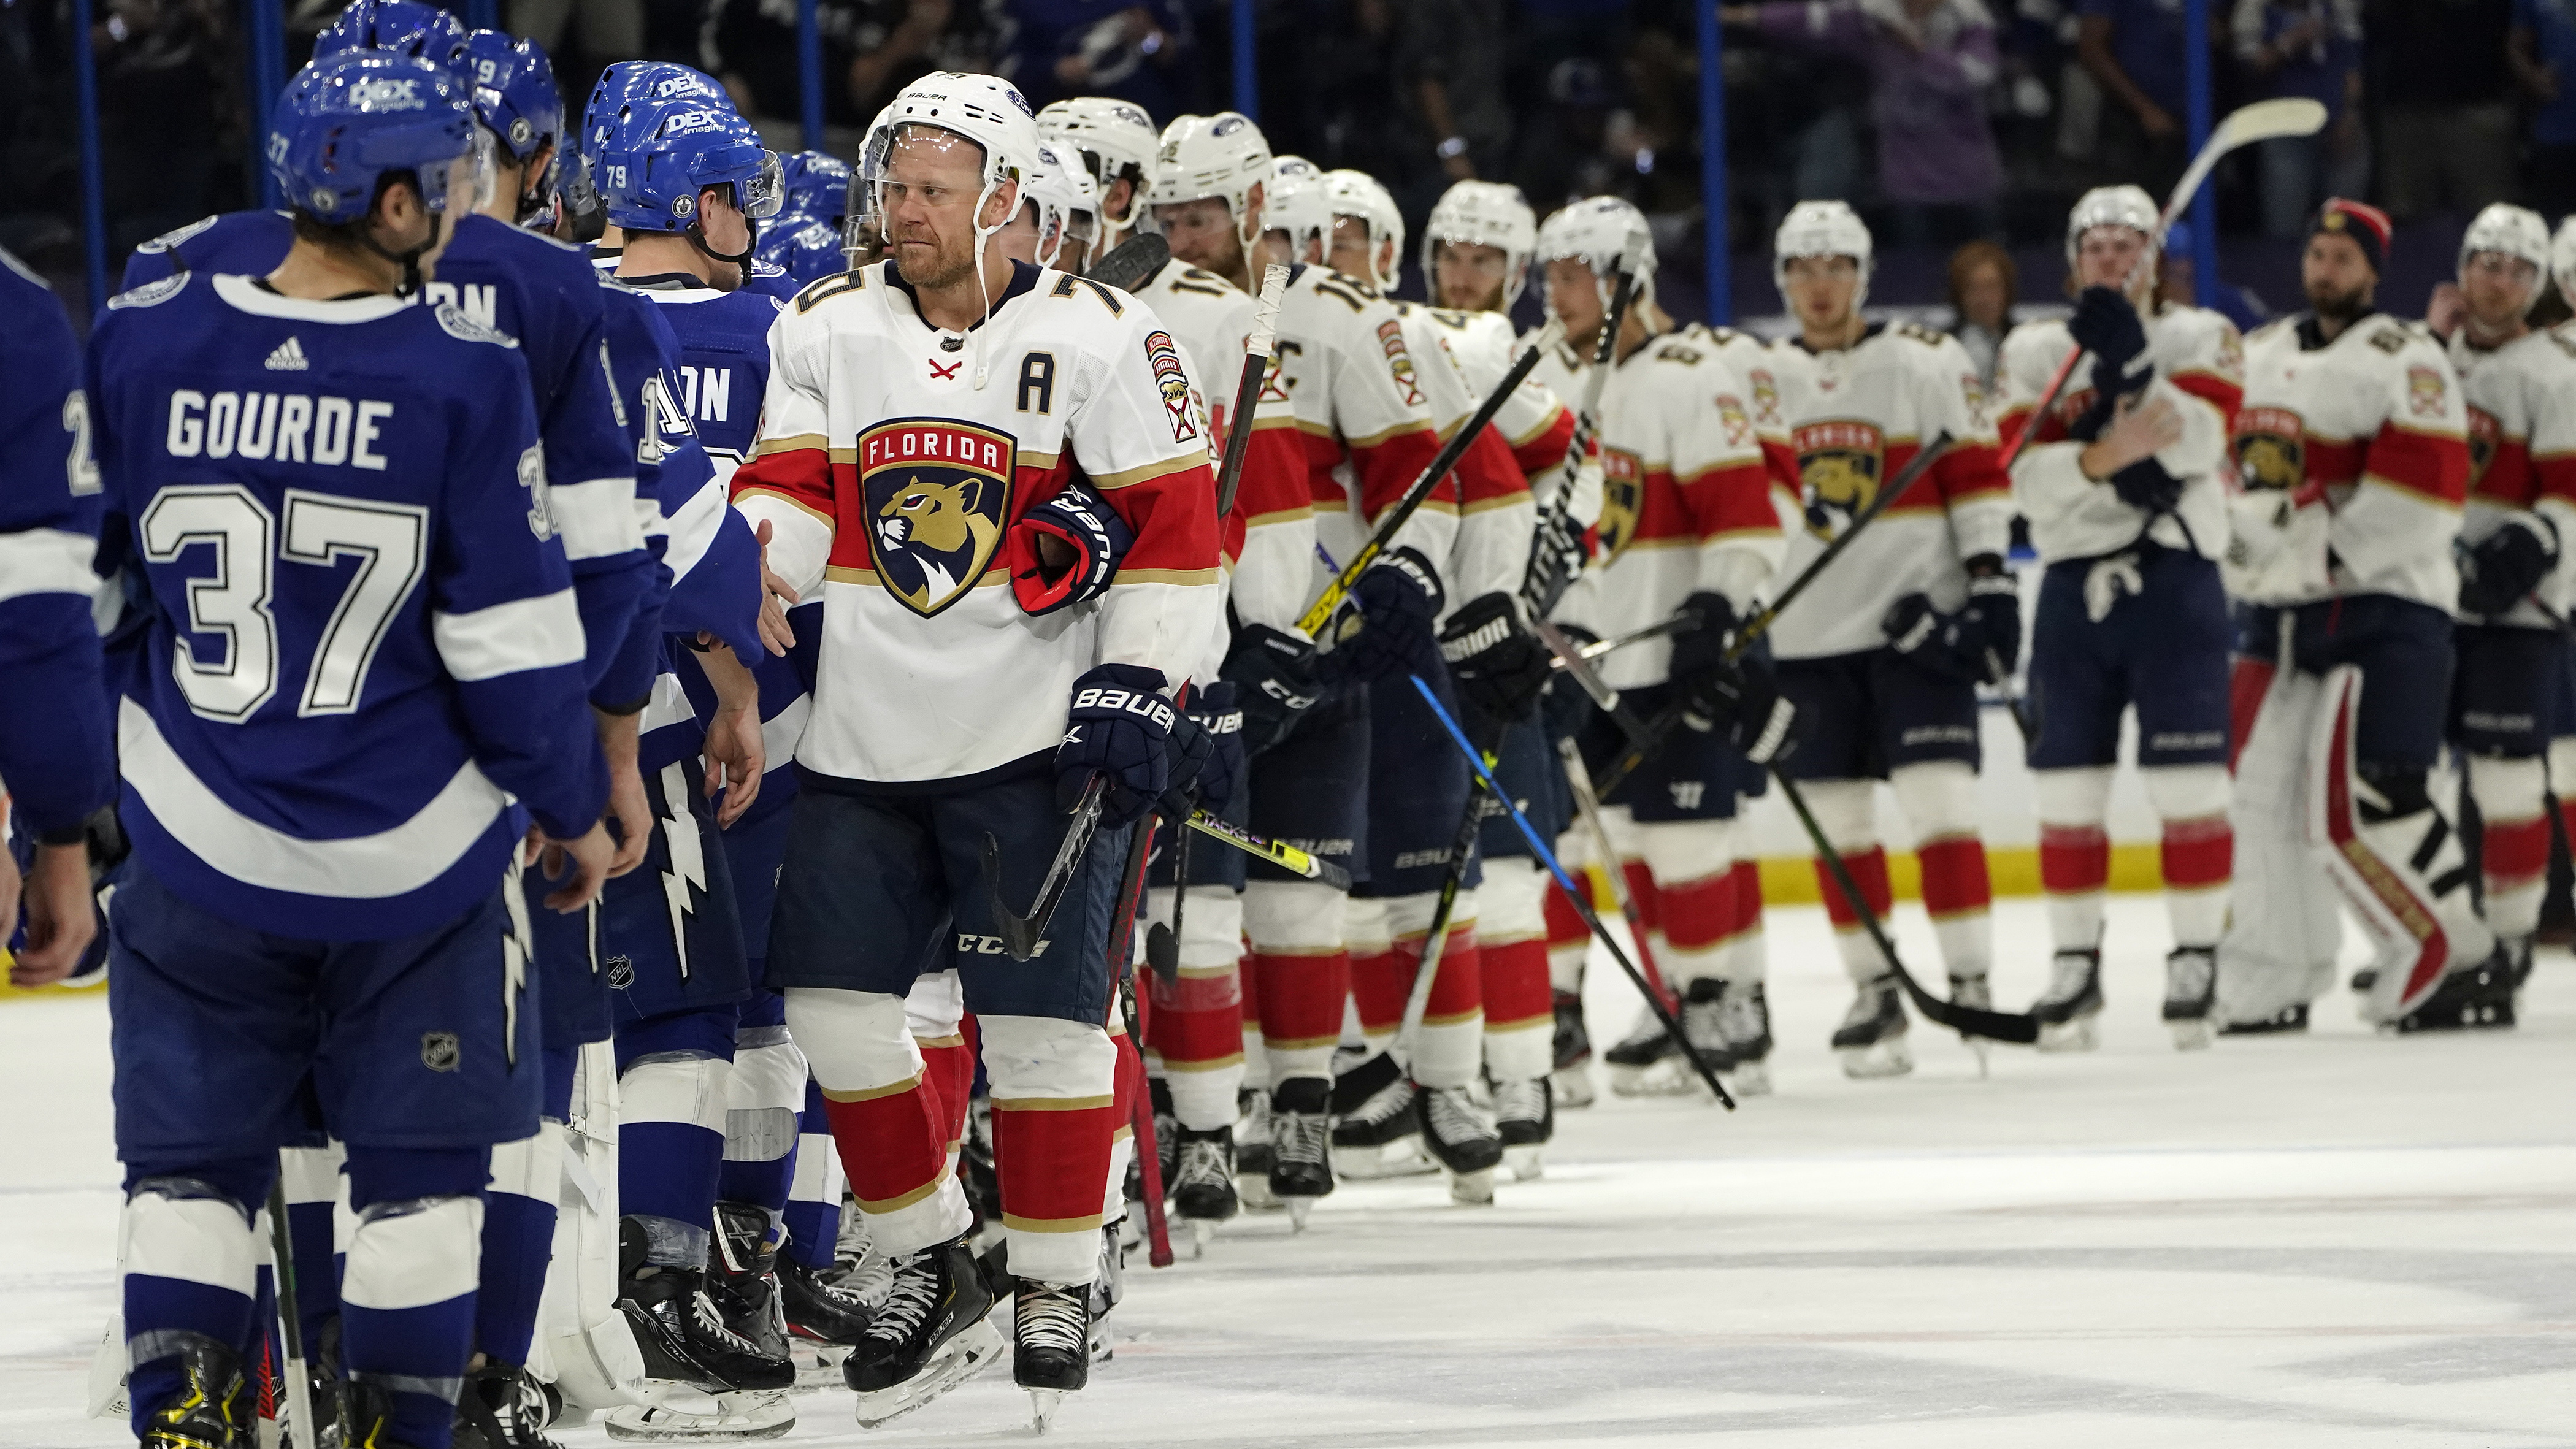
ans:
x=1944 y=121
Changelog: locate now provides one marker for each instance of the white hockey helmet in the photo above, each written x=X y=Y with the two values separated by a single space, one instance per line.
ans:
x=1358 y=194
x=984 y=109
x=2562 y=257
x=1485 y=214
x=1297 y=204
x=1068 y=204
x=1224 y=155
x=2128 y=206
x=1114 y=138
x=2513 y=230
x=1606 y=234
x=1821 y=229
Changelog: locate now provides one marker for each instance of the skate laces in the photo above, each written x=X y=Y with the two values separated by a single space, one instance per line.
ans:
x=1741 y=1017
x=1202 y=1164
x=1452 y=1116
x=1866 y=1007
x=1049 y=1315
x=2188 y=973
x=1520 y=1101
x=713 y=1323
x=1386 y=1103
x=1704 y=1021
x=2069 y=974
x=1299 y=1137
x=1648 y=1030
x=909 y=1299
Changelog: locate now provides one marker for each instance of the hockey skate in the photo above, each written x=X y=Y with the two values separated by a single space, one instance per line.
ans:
x=1647 y=1062
x=858 y=1269
x=2191 y=987
x=1871 y=1040
x=1252 y=1153
x=1456 y=1134
x=1301 y=1167
x=824 y=1321
x=1704 y=1027
x=1377 y=1127
x=2477 y=996
x=1050 y=1326
x=1203 y=1185
x=1108 y=1286
x=1744 y=1014
x=500 y=1407
x=214 y=1409
x=1524 y=1120
x=2066 y=1011
x=931 y=1335
x=2363 y=980
x=702 y=1381
x=1571 y=1081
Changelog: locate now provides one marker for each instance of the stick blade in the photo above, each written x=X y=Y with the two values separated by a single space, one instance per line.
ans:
x=1163 y=951
x=2272 y=120
x=1019 y=933
x=1135 y=261
x=2010 y=1028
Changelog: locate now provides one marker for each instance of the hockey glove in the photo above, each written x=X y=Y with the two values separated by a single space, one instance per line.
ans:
x=1065 y=550
x=1275 y=681
x=1186 y=757
x=1213 y=709
x=1742 y=700
x=1557 y=556
x=2106 y=325
x=1118 y=726
x=1563 y=707
x=1389 y=634
x=1699 y=653
x=1499 y=665
x=1989 y=627
x=2497 y=570
x=2147 y=487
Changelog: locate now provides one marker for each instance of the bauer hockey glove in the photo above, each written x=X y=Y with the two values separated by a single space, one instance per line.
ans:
x=1498 y=665
x=2146 y=486
x=1742 y=700
x=2497 y=570
x=1187 y=753
x=1119 y=725
x=1390 y=632
x=1989 y=624
x=1065 y=550
x=2106 y=325
x=1699 y=652
x=1274 y=677
x=1213 y=709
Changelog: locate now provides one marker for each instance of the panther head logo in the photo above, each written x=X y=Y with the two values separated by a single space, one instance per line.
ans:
x=938 y=495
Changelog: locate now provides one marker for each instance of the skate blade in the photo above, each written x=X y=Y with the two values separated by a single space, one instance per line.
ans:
x=2192 y=1034
x=1472 y=1189
x=951 y=1364
x=1042 y=1406
x=1403 y=1157
x=1298 y=1208
x=1528 y=1162
x=1890 y=1058
x=673 y=1414
x=818 y=1365
x=1572 y=1086
x=2076 y=1035
x=1201 y=1231
x=1254 y=1193
x=1750 y=1079
x=1671 y=1077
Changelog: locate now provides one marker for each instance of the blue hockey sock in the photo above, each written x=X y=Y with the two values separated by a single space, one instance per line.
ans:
x=814 y=1192
x=191 y=1273
x=519 y=1223
x=407 y=1296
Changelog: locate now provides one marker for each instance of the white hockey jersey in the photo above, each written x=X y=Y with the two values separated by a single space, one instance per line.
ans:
x=890 y=478
x=1687 y=499
x=1496 y=518
x=1351 y=380
x=1535 y=419
x=1563 y=371
x=2521 y=401
x=2200 y=369
x=1855 y=417
x=2367 y=437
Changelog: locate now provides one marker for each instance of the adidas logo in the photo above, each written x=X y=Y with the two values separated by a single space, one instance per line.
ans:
x=289 y=357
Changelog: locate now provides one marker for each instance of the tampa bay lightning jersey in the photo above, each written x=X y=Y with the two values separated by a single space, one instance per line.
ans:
x=54 y=762
x=362 y=670
x=250 y=242
x=724 y=359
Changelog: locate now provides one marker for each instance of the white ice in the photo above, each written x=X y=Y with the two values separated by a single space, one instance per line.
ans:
x=2338 y=1239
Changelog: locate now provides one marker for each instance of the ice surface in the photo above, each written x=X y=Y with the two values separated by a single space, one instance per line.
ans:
x=2337 y=1240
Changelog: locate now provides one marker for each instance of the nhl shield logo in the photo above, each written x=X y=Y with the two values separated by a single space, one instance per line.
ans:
x=439 y=1051
x=1623 y=499
x=1838 y=472
x=2271 y=451
x=938 y=493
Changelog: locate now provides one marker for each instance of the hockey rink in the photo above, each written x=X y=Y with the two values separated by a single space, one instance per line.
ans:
x=2334 y=1239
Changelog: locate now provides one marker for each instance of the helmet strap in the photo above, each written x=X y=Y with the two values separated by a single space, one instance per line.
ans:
x=408 y=284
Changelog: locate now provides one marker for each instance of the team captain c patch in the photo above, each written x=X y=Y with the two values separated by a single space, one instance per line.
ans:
x=938 y=493
x=1172 y=382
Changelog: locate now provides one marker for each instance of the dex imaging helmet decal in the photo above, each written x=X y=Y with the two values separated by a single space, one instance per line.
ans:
x=938 y=494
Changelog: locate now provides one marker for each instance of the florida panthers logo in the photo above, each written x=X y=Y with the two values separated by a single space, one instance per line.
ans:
x=2485 y=434
x=938 y=494
x=1623 y=498
x=2271 y=451
x=1840 y=465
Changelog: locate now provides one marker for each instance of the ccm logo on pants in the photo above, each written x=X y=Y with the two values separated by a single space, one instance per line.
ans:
x=986 y=945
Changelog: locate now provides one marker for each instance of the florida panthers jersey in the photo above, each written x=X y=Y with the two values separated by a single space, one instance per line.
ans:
x=724 y=360
x=1496 y=518
x=1687 y=502
x=1534 y=420
x=1351 y=380
x=2368 y=437
x=2200 y=370
x=2521 y=401
x=54 y=764
x=890 y=478
x=363 y=642
x=1855 y=417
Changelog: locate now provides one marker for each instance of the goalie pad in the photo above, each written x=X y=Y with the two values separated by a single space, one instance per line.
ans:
x=2276 y=549
x=583 y=1345
x=2398 y=862
x=2284 y=930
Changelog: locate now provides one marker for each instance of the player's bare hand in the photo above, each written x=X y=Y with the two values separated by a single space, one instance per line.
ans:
x=2446 y=308
x=735 y=758
x=2136 y=433
x=775 y=633
x=627 y=808
x=585 y=861
x=61 y=919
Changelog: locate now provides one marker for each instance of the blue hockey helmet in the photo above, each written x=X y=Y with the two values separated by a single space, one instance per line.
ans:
x=407 y=27
x=348 y=120
x=514 y=93
x=631 y=81
x=658 y=155
x=815 y=184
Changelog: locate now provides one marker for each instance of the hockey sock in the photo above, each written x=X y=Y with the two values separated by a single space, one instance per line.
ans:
x=1569 y=941
x=2074 y=852
x=1511 y=948
x=1451 y=1043
x=814 y=1193
x=1693 y=866
x=1940 y=800
x=190 y=1269
x=2514 y=840
x=519 y=1223
x=2199 y=849
x=671 y=1118
x=1301 y=972
x=1378 y=979
x=316 y=1222
x=934 y=1011
x=1054 y=1115
x=892 y=1134
x=1749 y=958
x=407 y=1299
x=762 y=1097
x=1126 y=1079
x=1256 y=1060
x=1197 y=1028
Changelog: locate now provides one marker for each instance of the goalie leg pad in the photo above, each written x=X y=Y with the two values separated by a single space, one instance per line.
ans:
x=2286 y=929
x=585 y=1346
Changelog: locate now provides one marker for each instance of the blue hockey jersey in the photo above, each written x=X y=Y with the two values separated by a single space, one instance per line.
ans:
x=724 y=360
x=806 y=248
x=362 y=639
x=54 y=762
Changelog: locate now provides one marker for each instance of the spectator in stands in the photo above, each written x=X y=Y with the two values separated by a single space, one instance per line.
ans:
x=2306 y=48
x=610 y=31
x=2543 y=56
x=1071 y=48
x=2447 y=136
x=2176 y=281
x=871 y=49
x=1931 y=62
x=1449 y=62
x=2134 y=50
x=1984 y=284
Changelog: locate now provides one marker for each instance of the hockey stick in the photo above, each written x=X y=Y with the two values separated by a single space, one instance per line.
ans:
x=1020 y=933
x=1162 y=942
x=1571 y=660
x=1542 y=585
x=1578 y=781
x=1247 y=388
x=1670 y=718
x=2262 y=121
x=2001 y=679
x=1677 y=624
x=290 y=1320
x=2002 y=1026
x=1320 y=612
x=1462 y=850
x=1582 y=907
x=1149 y=1156
x=1133 y=262
x=1278 y=852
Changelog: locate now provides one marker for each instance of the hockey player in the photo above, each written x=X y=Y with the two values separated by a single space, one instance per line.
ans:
x=2519 y=387
x=2122 y=485
x=55 y=763
x=804 y=240
x=2352 y=449
x=1115 y=141
x=266 y=959
x=966 y=387
x=1883 y=655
